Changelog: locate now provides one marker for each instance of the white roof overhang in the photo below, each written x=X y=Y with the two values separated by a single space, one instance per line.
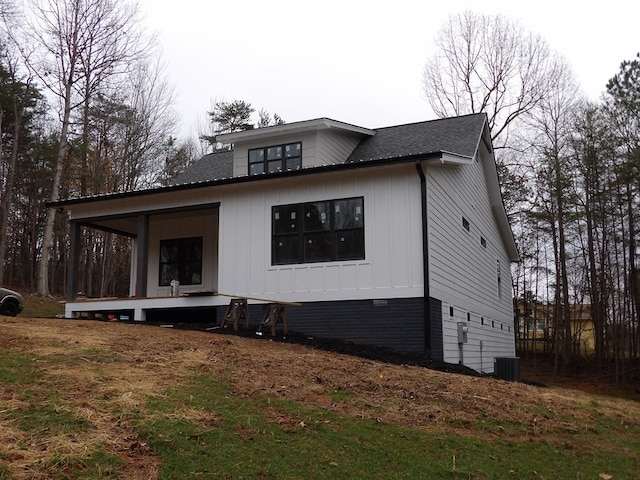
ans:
x=292 y=128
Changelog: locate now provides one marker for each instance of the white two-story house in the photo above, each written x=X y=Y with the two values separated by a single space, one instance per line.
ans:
x=394 y=237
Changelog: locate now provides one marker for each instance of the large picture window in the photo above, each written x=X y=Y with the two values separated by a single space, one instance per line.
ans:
x=276 y=158
x=181 y=259
x=323 y=231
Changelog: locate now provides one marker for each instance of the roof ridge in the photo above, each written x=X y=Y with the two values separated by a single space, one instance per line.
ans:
x=420 y=122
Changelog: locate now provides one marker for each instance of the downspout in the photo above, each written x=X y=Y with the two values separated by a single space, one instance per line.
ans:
x=425 y=260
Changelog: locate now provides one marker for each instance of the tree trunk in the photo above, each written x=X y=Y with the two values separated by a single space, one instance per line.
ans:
x=564 y=279
x=634 y=315
x=595 y=294
x=5 y=204
x=47 y=239
x=557 y=310
x=7 y=199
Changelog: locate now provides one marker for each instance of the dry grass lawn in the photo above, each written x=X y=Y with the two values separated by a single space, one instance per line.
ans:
x=116 y=367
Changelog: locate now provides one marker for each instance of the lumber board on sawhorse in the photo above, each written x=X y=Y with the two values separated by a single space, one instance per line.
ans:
x=258 y=299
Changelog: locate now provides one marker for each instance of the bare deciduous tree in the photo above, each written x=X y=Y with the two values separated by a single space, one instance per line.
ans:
x=488 y=64
x=152 y=97
x=127 y=129
x=73 y=47
x=552 y=122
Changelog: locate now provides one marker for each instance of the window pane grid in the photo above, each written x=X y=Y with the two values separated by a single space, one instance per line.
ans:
x=318 y=232
x=275 y=158
x=181 y=259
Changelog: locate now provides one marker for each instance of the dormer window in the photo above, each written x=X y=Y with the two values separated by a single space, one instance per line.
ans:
x=276 y=158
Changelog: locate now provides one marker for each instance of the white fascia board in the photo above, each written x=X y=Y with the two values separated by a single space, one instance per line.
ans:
x=293 y=128
x=499 y=211
x=505 y=231
x=448 y=159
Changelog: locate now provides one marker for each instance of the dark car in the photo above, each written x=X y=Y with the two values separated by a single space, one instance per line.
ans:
x=10 y=302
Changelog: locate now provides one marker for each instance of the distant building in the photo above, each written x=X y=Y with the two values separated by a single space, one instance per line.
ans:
x=537 y=322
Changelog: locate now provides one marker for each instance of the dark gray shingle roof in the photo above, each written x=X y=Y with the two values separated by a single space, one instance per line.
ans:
x=213 y=166
x=458 y=135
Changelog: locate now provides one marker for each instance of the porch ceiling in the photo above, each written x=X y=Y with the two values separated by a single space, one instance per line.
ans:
x=122 y=226
x=127 y=223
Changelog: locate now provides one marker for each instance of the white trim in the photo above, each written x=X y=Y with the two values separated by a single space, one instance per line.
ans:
x=449 y=158
x=291 y=128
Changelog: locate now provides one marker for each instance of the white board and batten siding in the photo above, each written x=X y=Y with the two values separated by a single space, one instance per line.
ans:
x=464 y=266
x=237 y=236
x=392 y=226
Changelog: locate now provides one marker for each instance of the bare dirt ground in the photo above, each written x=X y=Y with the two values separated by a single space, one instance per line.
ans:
x=137 y=361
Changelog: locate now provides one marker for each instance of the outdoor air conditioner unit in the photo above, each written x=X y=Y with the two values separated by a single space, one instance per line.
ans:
x=507 y=368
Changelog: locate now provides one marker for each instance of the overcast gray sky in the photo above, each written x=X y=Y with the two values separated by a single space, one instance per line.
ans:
x=356 y=61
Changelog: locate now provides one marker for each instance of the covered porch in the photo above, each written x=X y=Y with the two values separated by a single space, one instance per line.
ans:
x=173 y=261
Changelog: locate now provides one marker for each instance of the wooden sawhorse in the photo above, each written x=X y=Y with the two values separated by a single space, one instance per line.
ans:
x=275 y=314
x=236 y=311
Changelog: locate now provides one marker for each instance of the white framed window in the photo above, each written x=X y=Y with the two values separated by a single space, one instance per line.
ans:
x=322 y=231
x=276 y=158
x=181 y=259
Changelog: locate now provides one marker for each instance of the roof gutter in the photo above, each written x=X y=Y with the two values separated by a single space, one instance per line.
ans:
x=425 y=260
